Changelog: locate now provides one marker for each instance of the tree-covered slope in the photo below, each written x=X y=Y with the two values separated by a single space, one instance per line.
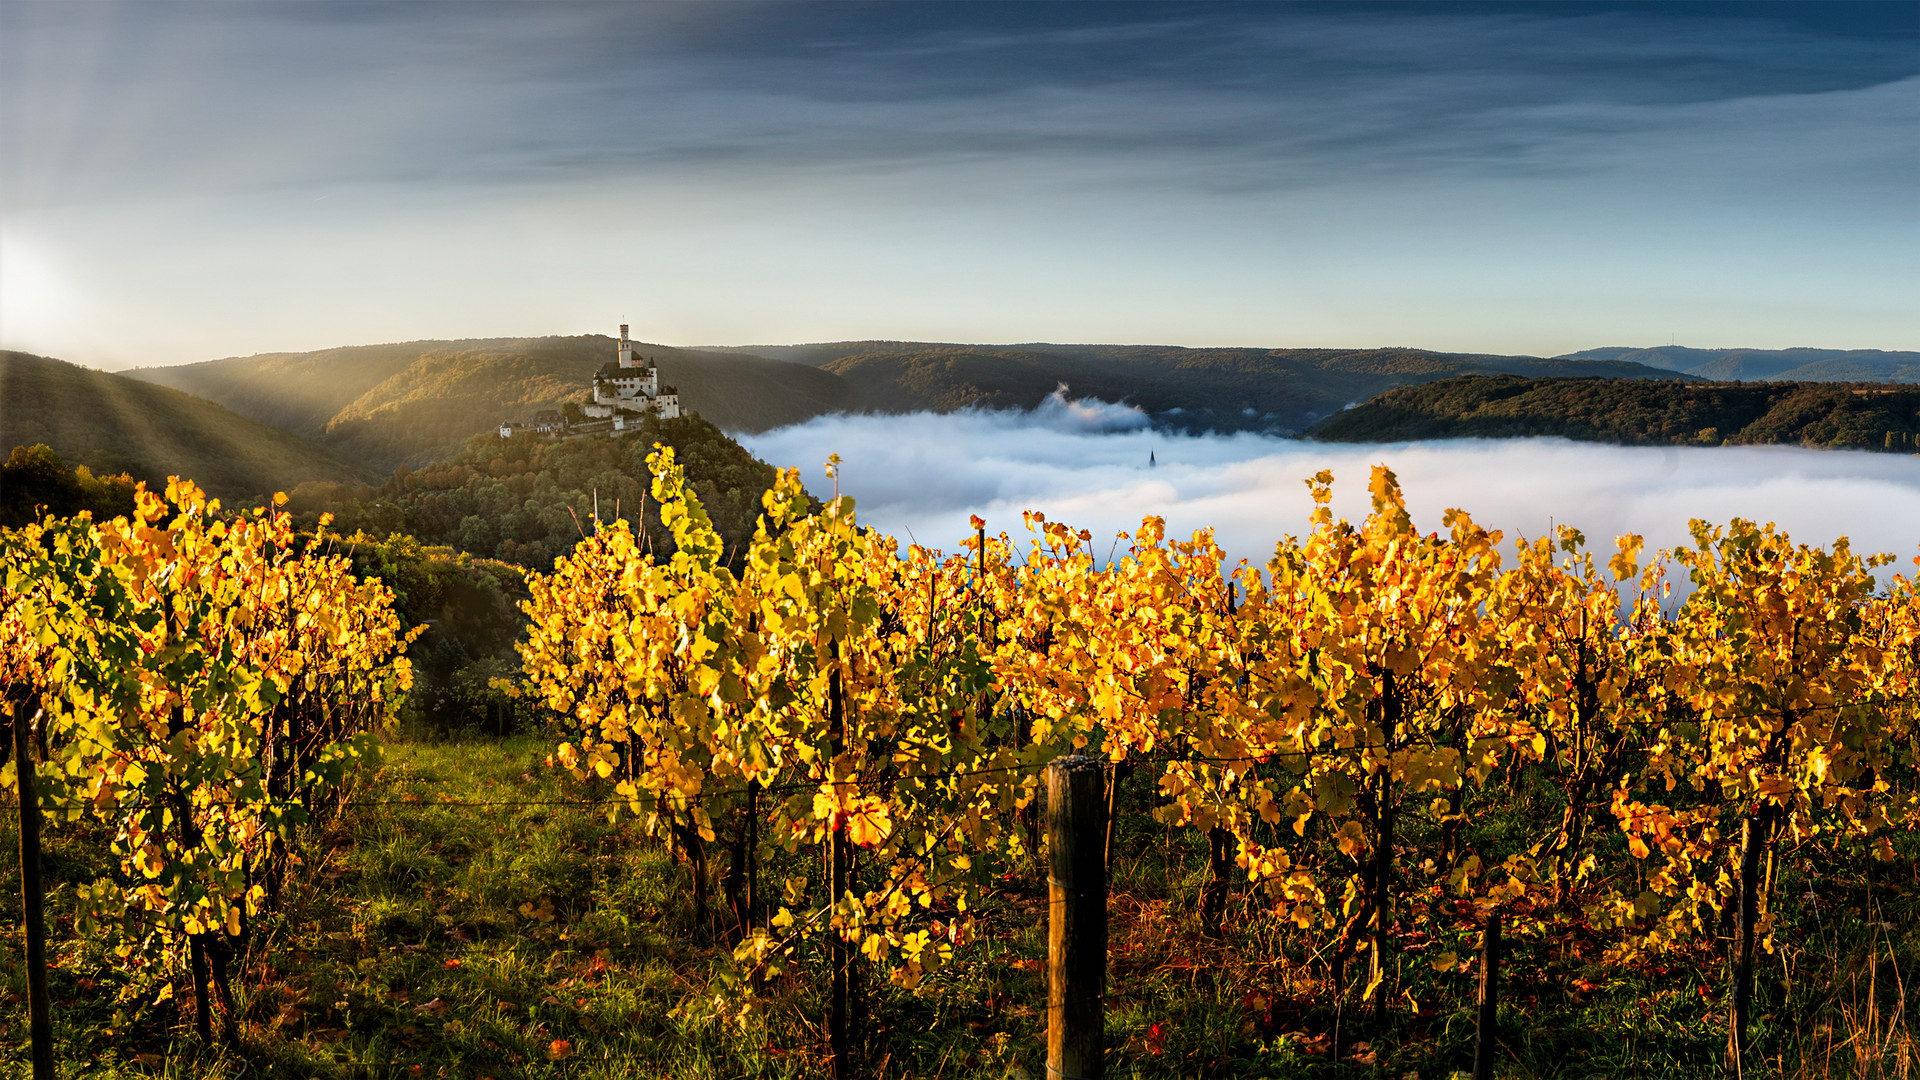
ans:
x=34 y=483
x=113 y=424
x=420 y=401
x=1228 y=389
x=526 y=499
x=1639 y=412
x=941 y=378
x=415 y=403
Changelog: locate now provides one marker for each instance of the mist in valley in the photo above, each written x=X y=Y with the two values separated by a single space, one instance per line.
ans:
x=1102 y=467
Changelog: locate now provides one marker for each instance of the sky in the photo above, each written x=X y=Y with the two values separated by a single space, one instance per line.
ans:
x=181 y=181
x=1087 y=464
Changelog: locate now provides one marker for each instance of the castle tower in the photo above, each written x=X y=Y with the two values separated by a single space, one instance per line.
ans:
x=626 y=348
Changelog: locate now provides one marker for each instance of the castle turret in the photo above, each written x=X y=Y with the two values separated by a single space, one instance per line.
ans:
x=623 y=392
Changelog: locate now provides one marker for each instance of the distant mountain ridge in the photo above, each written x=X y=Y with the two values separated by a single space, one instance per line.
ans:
x=1769 y=365
x=363 y=410
x=1224 y=389
x=112 y=424
x=417 y=402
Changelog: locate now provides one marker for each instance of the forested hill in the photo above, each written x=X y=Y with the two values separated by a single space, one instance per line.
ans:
x=1224 y=389
x=527 y=500
x=419 y=402
x=414 y=403
x=113 y=424
x=1860 y=416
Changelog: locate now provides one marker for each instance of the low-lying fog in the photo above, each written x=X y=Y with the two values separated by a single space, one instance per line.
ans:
x=1087 y=463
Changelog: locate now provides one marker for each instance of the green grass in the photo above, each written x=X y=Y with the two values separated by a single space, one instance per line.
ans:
x=427 y=938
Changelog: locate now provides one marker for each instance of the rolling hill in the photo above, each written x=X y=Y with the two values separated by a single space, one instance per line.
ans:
x=414 y=403
x=1640 y=412
x=381 y=406
x=114 y=424
x=1225 y=389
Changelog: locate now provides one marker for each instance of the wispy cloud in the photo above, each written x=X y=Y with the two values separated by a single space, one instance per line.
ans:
x=224 y=97
x=212 y=178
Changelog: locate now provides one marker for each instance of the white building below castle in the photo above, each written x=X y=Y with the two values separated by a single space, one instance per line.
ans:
x=624 y=391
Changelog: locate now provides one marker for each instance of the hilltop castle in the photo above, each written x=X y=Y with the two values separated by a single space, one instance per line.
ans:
x=623 y=391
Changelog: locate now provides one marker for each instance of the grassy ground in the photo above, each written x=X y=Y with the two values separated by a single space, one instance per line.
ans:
x=429 y=938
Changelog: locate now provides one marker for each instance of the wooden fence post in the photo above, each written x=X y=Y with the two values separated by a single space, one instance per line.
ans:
x=1077 y=923
x=32 y=893
x=1755 y=832
x=839 y=866
x=839 y=1005
x=1489 y=997
x=1221 y=846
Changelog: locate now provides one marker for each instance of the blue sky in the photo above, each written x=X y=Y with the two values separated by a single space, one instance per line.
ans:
x=183 y=181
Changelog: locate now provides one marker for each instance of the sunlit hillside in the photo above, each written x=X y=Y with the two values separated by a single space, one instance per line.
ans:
x=417 y=402
x=114 y=424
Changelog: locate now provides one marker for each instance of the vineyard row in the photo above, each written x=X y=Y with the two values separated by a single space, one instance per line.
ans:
x=205 y=682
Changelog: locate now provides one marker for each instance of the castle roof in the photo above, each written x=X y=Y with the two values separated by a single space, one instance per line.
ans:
x=612 y=370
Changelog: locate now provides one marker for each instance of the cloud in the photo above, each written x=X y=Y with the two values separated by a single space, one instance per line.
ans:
x=219 y=97
x=213 y=178
x=1083 y=415
x=924 y=474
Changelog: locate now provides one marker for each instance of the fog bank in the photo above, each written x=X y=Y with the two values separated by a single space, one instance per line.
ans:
x=921 y=475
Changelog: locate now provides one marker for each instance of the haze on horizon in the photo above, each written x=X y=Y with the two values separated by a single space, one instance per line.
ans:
x=191 y=180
